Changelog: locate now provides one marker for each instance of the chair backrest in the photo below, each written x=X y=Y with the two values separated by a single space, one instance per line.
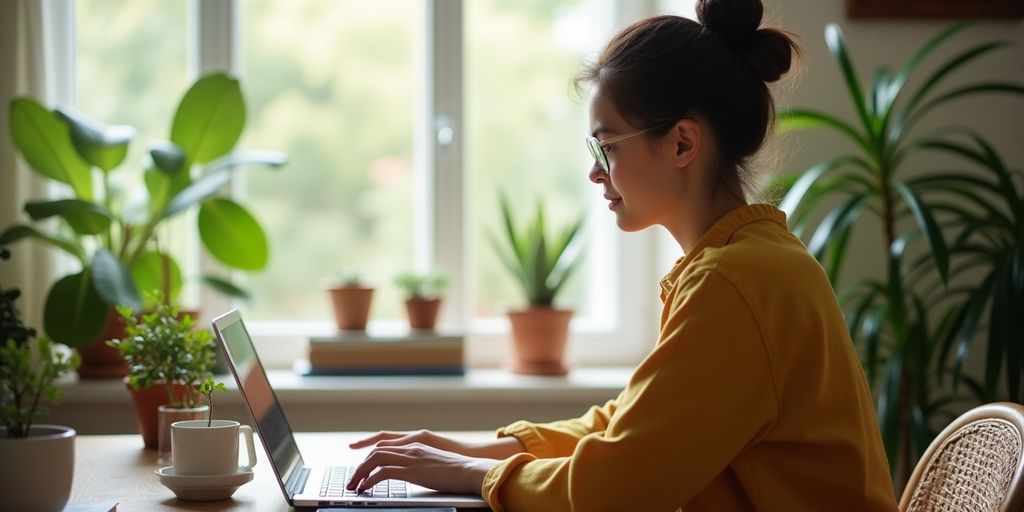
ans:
x=975 y=465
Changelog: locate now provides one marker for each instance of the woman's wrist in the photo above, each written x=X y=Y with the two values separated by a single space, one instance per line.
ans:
x=501 y=448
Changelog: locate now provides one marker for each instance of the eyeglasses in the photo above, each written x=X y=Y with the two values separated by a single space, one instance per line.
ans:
x=596 y=147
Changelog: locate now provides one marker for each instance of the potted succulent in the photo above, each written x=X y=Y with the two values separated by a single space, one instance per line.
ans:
x=45 y=454
x=167 y=358
x=116 y=233
x=541 y=264
x=422 y=297
x=351 y=297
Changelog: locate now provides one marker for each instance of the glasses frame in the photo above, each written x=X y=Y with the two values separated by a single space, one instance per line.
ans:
x=596 y=146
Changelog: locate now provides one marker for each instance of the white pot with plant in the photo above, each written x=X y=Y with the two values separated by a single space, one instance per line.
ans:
x=167 y=357
x=541 y=264
x=351 y=297
x=37 y=462
x=422 y=297
x=205 y=454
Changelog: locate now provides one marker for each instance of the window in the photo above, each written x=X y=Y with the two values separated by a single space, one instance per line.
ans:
x=403 y=119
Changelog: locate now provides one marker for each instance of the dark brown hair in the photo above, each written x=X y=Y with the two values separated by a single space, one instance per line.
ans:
x=662 y=69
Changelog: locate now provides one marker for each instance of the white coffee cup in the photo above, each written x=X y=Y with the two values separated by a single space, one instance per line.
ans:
x=197 y=449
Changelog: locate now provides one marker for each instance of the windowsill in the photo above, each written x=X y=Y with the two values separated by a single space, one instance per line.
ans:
x=476 y=385
x=484 y=398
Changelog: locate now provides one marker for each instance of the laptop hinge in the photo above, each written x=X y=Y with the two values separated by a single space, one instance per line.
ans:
x=297 y=483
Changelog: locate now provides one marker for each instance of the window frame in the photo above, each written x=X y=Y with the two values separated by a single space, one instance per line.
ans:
x=639 y=259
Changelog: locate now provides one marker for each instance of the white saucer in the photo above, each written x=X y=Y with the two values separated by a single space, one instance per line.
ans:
x=203 y=487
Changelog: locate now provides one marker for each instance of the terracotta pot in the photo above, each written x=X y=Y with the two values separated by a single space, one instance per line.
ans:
x=100 y=361
x=146 y=402
x=422 y=312
x=540 y=335
x=38 y=470
x=351 y=306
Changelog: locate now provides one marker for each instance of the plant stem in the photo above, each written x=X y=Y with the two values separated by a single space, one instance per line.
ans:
x=108 y=204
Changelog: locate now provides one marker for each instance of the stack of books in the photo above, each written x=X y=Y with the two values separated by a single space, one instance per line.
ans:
x=363 y=353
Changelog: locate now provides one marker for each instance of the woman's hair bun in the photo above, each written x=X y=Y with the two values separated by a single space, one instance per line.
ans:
x=769 y=52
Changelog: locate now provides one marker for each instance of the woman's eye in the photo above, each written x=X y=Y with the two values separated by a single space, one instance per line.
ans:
x=608 y=149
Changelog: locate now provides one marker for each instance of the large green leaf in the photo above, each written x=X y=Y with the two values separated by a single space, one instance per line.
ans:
x=160 y=188
x=167 y=157
x=84 y=217
x=114 y=282
x=210 y=118
x=232 y=234
x=801 y=119
x=196 y=192
x=19 y=231
x=900 y=80
x=926 y=223
x=944 y=70
x=837 y=46
x=228 y=288
x=799 y=190
x=104 y=146
x=150 y=270
x=833 y=223
x=271 y=159
x=44 y=141
x=74 y=313
x=961 y=92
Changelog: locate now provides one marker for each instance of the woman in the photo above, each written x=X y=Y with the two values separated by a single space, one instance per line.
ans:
x=753 y=397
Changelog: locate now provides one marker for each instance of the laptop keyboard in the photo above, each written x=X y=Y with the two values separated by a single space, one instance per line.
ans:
x=336 y=478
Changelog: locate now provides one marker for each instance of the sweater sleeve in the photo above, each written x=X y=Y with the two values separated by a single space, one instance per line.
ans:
x=559 y=438
x=699 y=399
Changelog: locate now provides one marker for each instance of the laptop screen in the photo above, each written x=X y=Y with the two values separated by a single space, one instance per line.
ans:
x=252 y=380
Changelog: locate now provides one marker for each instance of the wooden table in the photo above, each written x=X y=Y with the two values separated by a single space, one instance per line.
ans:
x=116 y=468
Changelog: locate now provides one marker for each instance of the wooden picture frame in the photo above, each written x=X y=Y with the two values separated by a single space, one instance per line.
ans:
x=935 y=8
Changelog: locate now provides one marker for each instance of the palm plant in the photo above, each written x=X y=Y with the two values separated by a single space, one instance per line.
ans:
x=889 y=318
x=987 y=216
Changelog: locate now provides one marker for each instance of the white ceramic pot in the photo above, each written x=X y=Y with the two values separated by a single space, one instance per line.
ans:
x=37 y=470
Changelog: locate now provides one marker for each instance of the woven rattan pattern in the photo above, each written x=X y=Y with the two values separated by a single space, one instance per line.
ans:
x=973 y=470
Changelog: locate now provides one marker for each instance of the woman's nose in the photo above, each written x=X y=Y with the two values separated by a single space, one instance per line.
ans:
x=597 y=174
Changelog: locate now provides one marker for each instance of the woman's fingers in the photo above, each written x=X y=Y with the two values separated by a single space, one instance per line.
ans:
x=376 y=438
x=380 y=457
x=382 y=473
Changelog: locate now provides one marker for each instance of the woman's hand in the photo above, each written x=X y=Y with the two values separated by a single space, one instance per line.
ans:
x=424 y=465
x=501 y=448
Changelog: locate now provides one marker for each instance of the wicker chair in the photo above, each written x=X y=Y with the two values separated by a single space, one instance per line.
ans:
x=975 y=465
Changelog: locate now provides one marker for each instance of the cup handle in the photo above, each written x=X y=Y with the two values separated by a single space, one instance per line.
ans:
x=246 y=431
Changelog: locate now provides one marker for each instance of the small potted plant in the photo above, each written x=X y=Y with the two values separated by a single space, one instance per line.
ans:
x=351 y=297
x=541 y=264
x=41 y=477
x=422 y=297
x=166 y=359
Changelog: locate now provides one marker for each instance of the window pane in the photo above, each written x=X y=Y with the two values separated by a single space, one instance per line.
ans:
x=334 y=85
x=525 y=134
x=130 y=67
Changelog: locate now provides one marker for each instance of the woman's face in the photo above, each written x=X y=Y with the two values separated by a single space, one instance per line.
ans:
x=642 y=185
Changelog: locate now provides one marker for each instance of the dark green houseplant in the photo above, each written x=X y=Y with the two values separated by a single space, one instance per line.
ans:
x=115 y=233
x=894 y=320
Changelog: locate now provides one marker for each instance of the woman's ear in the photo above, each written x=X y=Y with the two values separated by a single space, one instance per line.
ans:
x=687 y=137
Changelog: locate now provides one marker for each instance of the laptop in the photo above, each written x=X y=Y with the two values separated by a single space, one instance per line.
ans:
x=302 y=485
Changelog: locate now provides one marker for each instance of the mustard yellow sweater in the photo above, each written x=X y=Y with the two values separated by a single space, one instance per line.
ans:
x=753 y=398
